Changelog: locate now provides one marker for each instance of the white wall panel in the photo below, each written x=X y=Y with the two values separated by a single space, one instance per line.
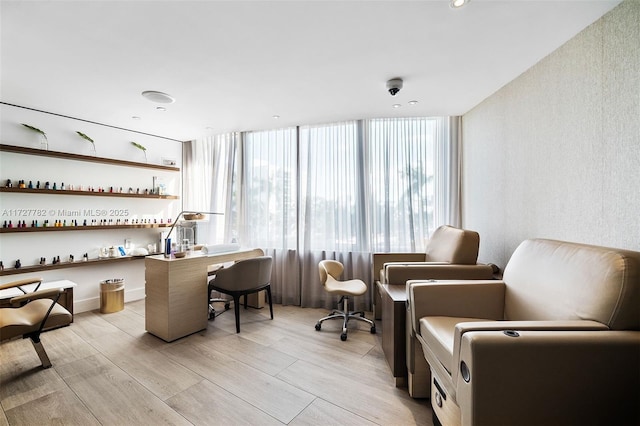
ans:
x=556 y=152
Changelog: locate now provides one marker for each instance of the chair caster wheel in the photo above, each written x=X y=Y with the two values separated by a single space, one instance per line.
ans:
x=373 y=330
x=362 y=315
x=212 y=316
x=318 y=326
x=343 y=336
x=227 y=306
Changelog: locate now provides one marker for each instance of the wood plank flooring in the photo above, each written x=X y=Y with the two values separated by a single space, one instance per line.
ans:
x=108 y=371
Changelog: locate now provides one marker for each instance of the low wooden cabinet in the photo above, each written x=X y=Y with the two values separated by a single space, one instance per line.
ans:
x=176 y=292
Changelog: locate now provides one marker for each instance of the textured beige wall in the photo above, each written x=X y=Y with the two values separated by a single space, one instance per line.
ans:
x=556 y=152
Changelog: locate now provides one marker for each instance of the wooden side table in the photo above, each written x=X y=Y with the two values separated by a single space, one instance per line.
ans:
x=393 y=299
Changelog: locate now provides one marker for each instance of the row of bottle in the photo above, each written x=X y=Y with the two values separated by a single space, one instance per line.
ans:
x=94 y=222
x=43 y=261
x=55 y=187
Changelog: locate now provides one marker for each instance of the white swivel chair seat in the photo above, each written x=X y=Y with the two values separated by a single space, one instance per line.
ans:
x=330 y=271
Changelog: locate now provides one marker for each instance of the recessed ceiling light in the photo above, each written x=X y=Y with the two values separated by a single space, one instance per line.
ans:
x=159 y=97
x=456 y=4
x=275 y=117
x=396 y=105
x=161 y=108
x=413 y=102
x=135 y=117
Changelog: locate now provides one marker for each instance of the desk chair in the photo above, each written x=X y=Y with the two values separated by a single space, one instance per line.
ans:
x=217 y=298
x=330 y=271
x=243 y=278
x=34 y=312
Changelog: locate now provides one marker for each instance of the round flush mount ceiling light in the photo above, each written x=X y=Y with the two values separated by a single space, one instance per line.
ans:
x=456 y=4
x=159 y=97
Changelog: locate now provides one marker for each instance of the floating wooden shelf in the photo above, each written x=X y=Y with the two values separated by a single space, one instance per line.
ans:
x=62 y=265
x=78 y=157
x=81 y=228
x=86 y=193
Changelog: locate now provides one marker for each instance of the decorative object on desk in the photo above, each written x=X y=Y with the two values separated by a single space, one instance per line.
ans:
x=180 y=254
x=18 y=264
x=139 y=251
x=44 y=145
x=167 y=252
x=141 y=148
x=159 y=185
x=87 y=138
x=219 y=248
x=193 y=216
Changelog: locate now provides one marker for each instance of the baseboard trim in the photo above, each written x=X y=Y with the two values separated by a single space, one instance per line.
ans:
x=93 y=303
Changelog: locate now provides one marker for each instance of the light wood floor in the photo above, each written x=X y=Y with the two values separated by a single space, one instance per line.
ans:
x=108 y=371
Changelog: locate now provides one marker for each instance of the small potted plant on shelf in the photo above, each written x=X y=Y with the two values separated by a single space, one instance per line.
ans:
x=87 y=138
x=141 y=148
x=44 y=143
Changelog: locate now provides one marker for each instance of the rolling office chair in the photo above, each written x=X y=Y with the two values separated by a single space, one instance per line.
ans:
x=330 y=271
x=35 y=311
x=243 y=278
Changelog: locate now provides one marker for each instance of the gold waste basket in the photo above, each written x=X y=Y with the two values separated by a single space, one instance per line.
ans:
x=111 y=295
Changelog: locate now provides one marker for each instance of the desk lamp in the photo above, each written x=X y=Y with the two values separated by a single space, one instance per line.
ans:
x=188 y=215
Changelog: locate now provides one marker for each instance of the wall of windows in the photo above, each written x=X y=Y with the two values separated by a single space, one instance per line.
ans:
x=340 y=190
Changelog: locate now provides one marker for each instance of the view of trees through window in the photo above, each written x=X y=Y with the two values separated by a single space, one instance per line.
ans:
x=357 y=186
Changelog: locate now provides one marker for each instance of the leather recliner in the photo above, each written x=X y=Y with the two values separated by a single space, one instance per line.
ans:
x=556 y=342
x=451 y=253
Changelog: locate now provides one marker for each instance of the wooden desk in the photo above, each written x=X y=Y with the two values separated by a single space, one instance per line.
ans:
x=176 y=302
x=392 y=301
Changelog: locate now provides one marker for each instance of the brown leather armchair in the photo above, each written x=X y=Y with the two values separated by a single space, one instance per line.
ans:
x=451 y=253
x=556 y=342
x=34 y=312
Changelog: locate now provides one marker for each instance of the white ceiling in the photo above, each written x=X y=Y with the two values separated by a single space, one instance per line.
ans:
x=233 y=65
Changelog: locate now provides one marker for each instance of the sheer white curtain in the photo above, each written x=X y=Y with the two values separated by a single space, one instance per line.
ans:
x=402 y=158
x=332 y=207
x=336 y=191
x=447 y=171
x=267 y=206
x=210 y=166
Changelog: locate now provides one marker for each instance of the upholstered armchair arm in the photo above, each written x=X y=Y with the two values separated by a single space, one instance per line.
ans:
x=540 y=377
x=19 y=283
x=379 y=259
x=455 y=298
x=517 y=326
x=52 y=293
x=400 y=273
